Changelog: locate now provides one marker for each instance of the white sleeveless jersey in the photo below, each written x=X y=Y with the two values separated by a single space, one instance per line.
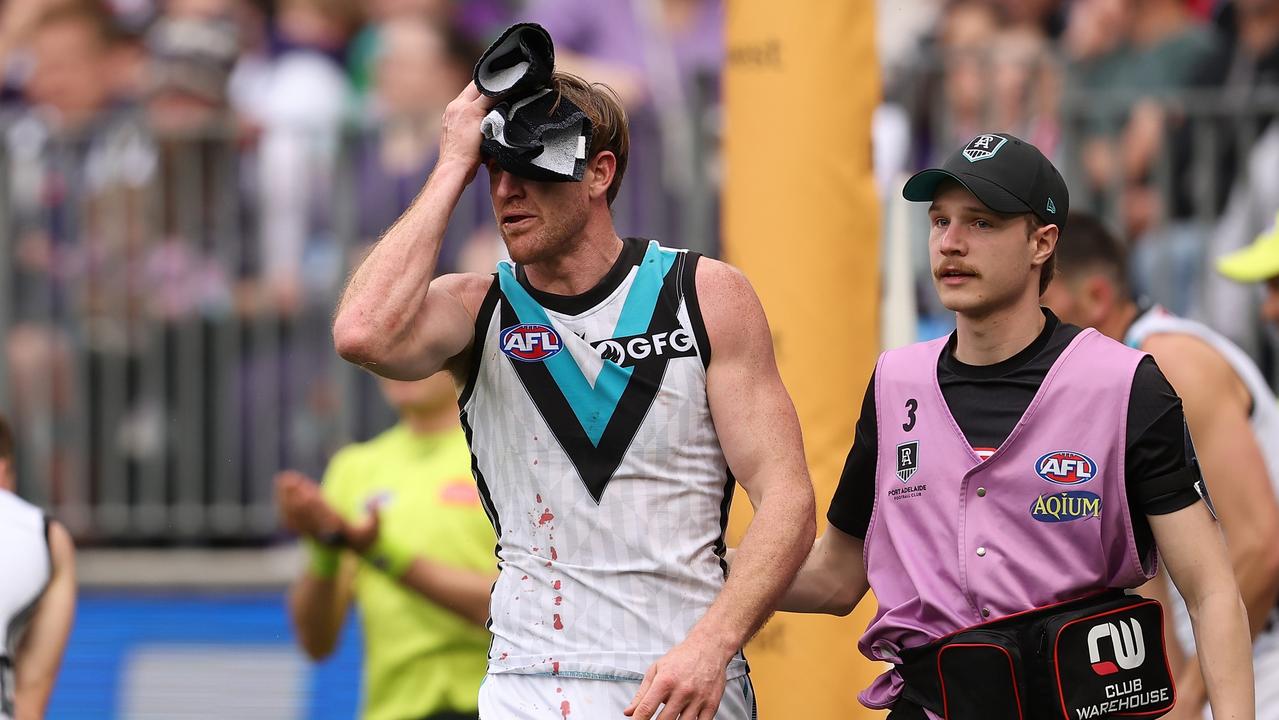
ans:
x=1265 y=410
x=24 y=574
x=599 y=466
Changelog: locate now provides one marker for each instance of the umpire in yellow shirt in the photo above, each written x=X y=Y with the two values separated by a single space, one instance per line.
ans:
x=424 y=602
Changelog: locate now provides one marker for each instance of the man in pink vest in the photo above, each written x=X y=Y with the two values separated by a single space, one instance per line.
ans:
x=1017 y=464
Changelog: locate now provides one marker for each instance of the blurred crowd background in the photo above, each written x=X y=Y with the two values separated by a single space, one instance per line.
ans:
x=185 y=185
x=1157 y=111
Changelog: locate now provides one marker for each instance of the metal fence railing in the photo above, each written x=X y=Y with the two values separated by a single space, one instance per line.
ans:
x=165 y=306
x=1184 y=175
x=165 y=302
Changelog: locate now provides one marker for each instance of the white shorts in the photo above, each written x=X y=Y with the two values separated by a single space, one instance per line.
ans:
x=510 y=696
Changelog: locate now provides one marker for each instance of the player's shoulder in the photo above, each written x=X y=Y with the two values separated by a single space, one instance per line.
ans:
x=1196 y=368
x=1186 y=361
x=723 y=289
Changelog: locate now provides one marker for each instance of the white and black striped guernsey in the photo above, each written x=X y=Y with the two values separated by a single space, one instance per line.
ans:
x=1264 y=420
x=599 y=466
x=25 y=569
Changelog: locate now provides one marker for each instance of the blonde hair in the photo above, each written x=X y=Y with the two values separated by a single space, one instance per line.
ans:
x=609 y=130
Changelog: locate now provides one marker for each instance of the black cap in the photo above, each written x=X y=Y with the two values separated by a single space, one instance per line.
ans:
x=1008 y=174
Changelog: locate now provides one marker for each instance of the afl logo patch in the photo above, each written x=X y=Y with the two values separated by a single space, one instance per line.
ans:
x=1065 y=467
x=530 y=342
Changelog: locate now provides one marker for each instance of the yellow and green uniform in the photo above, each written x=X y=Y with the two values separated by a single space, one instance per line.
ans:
x=419 y=658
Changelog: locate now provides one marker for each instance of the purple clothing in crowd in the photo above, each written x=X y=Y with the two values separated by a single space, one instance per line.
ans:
x=383 y=195
x=616 y=32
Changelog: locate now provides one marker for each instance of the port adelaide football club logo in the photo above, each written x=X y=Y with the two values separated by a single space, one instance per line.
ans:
x=907 y=460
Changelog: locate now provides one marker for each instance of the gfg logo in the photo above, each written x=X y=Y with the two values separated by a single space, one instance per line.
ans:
x=627 y=351
x=530 y=342
x=1125 y=640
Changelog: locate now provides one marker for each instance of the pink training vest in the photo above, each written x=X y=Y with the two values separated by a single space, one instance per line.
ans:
x=954 y=541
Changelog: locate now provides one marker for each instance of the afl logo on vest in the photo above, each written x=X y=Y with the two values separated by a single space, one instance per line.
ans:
x=530 y=343
x=1064 y=467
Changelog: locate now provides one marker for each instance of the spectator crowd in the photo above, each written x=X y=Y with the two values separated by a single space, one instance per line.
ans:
x=186 y=183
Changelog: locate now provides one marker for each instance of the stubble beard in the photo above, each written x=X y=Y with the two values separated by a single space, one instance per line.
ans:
x=551 y=240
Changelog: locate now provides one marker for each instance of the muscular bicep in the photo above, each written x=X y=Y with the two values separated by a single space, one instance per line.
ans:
x=440 y=335
x=753 y=414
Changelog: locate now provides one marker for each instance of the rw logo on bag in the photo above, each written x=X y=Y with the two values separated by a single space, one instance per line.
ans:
x=1125 y=641
x=907 y=460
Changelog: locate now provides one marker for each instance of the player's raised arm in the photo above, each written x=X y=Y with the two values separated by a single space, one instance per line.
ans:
x=392 y=318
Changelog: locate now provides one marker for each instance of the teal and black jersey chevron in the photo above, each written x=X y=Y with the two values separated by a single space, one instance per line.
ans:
x=595 y=423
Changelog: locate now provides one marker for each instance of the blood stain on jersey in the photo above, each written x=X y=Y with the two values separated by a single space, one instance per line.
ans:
x=556 y=585
x=1065 y=467
x=564 y=709
x=546 y=517
x=559 y=624
x=554 y=555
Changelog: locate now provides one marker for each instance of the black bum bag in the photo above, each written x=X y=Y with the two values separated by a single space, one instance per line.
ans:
x=1097 y=657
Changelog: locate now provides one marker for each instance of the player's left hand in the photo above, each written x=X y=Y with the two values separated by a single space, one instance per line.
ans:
x=689 y=681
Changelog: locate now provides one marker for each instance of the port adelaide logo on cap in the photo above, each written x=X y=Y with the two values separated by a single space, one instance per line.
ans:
x=983 y=147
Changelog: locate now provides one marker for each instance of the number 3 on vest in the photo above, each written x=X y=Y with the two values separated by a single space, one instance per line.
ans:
x=911 y=406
